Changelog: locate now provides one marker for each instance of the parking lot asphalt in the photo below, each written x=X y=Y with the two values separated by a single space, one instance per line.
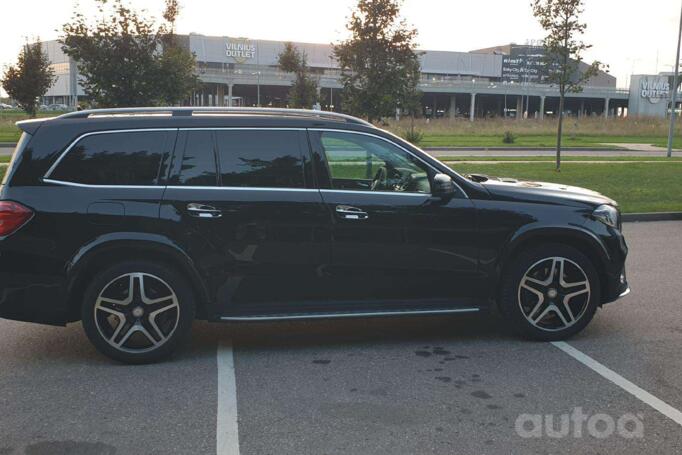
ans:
x=429 y=385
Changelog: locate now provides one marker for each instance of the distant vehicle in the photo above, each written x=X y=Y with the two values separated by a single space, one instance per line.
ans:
x=58 y=107
x=136 y=223
x=4 y=106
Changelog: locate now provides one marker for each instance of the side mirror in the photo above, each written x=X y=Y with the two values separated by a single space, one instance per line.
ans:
x=443 y=186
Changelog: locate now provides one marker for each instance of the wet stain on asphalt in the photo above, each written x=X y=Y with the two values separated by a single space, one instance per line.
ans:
x=423 y=353
x=519 y=395
x=321 y=361
x=443 y=378
x=493 y=406
x=70 y=448
x=482 y=394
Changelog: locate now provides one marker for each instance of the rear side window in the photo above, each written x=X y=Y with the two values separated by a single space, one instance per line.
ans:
x=125 y=158
x=21 y=145
x=261 y=158
x=198 y=160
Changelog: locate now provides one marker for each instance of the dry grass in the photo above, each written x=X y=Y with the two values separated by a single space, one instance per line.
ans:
x=589 y=126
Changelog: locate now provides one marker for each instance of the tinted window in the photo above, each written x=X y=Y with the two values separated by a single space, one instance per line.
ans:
x=261 y=158
x=131 y=158
x=361 y=162
x=198 y=161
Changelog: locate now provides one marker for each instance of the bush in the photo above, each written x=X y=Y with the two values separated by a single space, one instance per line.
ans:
x=413 y=136
x=508 y=137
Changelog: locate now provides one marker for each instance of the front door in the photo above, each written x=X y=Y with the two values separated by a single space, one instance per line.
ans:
x=394 y=244
x=244 y=205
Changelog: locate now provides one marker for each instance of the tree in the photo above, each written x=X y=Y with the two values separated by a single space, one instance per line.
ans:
x=379 y=65
x=303 y=92
x=30 y=78
x=563 y=51
x=128 y=60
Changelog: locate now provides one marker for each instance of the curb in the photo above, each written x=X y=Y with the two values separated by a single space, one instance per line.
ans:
x=653 y=216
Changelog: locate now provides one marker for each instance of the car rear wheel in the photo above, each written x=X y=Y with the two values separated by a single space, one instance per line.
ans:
x=138 y=312
x=550 y=292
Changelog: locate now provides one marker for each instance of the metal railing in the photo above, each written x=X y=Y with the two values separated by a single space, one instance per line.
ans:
x=467 y=84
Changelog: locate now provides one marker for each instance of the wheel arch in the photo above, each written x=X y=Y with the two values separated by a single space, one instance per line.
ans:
x=110 y=249
x=580 y=239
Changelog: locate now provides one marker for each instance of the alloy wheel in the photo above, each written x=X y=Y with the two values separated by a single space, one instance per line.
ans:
x=554 y=293
x=137 y=312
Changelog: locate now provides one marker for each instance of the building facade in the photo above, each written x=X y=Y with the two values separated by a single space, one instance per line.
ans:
x=507 y=80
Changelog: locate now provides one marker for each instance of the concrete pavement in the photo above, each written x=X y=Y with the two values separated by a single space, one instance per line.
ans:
x=437 y=385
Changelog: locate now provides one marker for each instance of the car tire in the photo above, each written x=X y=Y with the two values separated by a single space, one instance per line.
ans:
x=138 y=312
x=550 y=292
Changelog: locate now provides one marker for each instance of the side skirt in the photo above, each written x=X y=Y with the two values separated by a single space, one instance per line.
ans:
x=355 y=314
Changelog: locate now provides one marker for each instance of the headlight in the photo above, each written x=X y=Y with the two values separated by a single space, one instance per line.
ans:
x=606 y=214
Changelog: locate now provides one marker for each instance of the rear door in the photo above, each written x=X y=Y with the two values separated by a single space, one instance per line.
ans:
x=394 y=244
x=244 y=205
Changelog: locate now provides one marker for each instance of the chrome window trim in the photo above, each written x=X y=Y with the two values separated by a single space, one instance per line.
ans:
x=336 y=130
x=90 y=185
x=388 y=193
x=46 y=178
x=241 y=188
x=95 y=133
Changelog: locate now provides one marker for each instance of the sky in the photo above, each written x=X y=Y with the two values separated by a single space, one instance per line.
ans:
x=631 y=36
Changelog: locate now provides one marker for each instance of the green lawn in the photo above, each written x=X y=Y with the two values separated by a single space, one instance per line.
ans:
x=551 y=159
x=591 y=142
x=638 y=187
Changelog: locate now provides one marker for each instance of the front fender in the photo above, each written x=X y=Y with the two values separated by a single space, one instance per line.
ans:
x=555 y=233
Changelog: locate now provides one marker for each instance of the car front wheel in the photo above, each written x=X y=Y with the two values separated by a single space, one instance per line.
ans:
x=550 y=292
x=138 y=312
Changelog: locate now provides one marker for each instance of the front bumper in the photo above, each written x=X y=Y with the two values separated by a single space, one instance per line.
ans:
x=616 y=286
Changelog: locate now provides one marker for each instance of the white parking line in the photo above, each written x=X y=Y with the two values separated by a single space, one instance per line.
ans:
x=227 y=428
x=659 y=405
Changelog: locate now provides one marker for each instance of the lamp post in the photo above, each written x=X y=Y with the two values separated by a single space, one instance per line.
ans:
x=674 y=97
x=257 y=74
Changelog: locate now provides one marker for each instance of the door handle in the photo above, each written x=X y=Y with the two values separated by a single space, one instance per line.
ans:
x=351 y=213
x=199 y=210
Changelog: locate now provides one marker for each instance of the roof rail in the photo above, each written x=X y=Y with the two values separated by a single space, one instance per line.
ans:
x=189 y=111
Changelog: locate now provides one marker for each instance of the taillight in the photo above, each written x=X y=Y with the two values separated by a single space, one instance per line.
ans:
x=12 y=216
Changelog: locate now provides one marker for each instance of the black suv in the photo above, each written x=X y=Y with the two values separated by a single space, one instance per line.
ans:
x=136 y=221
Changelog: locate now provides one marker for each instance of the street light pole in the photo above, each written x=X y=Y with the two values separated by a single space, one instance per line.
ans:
x=674 y=97
x=258 y=95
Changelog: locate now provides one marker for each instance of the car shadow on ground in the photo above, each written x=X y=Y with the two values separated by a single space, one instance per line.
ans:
x=33 y=344
x=348 y=332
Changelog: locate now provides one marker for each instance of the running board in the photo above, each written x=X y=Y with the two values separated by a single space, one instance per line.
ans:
x=356 y=314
